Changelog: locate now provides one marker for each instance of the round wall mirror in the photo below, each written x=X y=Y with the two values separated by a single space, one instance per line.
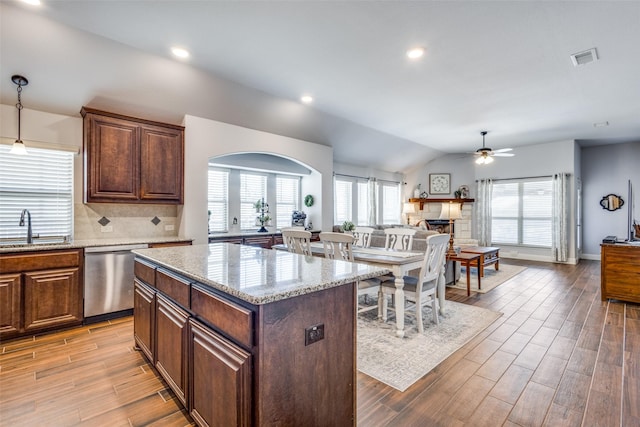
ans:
x=611 y=202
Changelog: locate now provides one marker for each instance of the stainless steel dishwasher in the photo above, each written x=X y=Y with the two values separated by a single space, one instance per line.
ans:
x=108 y=279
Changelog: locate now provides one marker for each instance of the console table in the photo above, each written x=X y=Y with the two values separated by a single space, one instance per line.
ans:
x=620 y=272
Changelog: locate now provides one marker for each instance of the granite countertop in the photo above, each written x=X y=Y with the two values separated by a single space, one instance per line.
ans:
x=256 y=275
x=77 y=244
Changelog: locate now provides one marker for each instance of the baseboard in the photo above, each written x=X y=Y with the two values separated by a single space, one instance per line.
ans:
x=539 y=258
x=592 y=257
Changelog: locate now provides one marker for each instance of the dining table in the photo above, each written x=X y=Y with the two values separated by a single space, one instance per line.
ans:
x=400 y=263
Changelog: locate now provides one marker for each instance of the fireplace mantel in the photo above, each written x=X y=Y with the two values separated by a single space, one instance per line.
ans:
x=422 y=201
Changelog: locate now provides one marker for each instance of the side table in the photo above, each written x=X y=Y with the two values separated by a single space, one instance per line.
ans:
x=468 y=260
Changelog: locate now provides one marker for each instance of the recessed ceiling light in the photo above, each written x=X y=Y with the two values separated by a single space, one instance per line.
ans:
x=32 y=2
x=180 y=52
x=601 y=124
x=307 y=99
x=415 y=52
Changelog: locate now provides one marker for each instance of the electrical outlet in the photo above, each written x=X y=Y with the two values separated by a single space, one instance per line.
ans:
x=168 y=227
x=107 y=229
x=313 y=334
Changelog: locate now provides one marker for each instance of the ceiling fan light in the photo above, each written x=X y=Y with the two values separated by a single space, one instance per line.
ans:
x=480 y=160
x=488 y=160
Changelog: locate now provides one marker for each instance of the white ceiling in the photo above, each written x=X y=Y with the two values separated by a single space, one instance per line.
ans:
x=499 y=66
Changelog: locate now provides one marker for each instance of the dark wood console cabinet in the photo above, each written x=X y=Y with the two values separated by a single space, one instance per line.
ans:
x=262 y=241
x=620 y=272
x=131 y=160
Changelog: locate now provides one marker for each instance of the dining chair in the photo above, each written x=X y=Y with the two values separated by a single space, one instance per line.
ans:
x=297 y=241
x=339 y=246
x=362 y=236
x=400 y=239
x=422 y=289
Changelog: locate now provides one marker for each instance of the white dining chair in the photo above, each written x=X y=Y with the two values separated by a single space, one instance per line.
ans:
x=297 y=241
x=362 y=236
x=339 y=246
x=400 y=239
x=422 y=289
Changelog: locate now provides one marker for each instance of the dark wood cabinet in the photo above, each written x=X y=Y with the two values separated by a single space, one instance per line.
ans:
x=132 y=160
x=262 y=241
x=52 y=298
x=171 y=345
x=41 y=291
x=10 y=303
x=220 y=375
x=144 y=308
x=620 y=272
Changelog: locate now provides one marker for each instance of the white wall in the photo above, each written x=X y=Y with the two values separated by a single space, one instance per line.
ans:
x=209 y=138
x=606 y=169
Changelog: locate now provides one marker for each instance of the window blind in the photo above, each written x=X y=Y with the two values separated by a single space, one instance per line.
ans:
x=218 y=196
x=343 y=200
x=522 y=212
x=390 y=203
x=287 y=199
x=42 y=182
x=253 y=187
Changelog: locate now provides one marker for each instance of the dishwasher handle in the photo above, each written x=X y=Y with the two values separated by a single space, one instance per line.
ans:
x=114 y=248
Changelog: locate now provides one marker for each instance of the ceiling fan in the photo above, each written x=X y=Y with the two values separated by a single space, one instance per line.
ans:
x=485 y=154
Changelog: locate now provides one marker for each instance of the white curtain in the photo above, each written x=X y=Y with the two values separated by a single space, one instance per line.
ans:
x=372 y=209
x=483 y=211
x=559 y=236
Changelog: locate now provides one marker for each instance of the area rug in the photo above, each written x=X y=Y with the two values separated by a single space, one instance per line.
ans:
x=400 y=362
x=491 y=279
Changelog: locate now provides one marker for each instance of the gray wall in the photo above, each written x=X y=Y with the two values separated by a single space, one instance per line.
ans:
x=607 y=169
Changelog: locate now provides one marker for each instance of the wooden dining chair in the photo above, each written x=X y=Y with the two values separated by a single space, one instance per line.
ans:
x=362 y=236
x=339 y=246
x=297 y=241
x=400 y=239
x=422 y=289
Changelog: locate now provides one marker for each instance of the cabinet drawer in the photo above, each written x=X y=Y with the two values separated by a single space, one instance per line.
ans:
x=261 y=241
x=229 y=318
x=175 y=287
x=30 y=261
x=145 y=272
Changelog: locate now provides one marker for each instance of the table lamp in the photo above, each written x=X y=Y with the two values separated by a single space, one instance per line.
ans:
x=450 y=211
x=408 y=208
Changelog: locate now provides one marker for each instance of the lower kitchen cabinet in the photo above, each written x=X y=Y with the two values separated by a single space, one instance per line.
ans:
x=10 y=303
x=52 y=298
x=171 y=345
x=40 y=291
x=220 y=375
x=144 y=306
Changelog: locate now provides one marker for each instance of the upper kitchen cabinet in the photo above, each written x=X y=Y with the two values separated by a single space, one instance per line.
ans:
x=131 y=160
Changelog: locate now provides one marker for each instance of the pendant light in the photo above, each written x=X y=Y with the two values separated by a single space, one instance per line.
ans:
x=18 y=146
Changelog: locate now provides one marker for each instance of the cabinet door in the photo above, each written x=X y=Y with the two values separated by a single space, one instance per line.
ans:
x=144 y=318
x=112 y=151
x=161 y=165
x=220 y=378
x=171 y=348
x=10 y=295
x=260 y=241
x=52 y=298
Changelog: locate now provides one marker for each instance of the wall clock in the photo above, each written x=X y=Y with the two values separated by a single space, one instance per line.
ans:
x=439 y=183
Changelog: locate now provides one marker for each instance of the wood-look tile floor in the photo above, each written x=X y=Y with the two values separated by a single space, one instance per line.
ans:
x=557 y=357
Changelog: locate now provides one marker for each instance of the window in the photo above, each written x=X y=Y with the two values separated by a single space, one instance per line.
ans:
x=521 y=212
x=253 y=187
x=218 y=196
x=390 y=203
x=343 y=200
x=41 y=182
x=363 y=203
x=287 y=199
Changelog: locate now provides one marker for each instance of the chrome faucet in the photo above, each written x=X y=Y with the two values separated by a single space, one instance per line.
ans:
x=21 y=224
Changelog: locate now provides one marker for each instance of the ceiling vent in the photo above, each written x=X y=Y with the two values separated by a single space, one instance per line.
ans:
x=585 y=57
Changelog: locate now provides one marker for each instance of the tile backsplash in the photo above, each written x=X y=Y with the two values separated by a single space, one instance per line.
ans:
x=124 y=220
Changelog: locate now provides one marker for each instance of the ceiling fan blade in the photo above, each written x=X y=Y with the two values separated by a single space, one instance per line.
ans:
x=502 y=150
x=503 y=154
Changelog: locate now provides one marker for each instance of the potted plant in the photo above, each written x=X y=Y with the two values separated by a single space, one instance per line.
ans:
x=348 y=227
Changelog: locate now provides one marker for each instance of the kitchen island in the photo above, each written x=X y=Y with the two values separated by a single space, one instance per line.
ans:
x=251 y=336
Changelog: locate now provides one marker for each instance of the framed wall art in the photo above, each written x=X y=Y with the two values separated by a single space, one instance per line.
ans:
x=439 y=183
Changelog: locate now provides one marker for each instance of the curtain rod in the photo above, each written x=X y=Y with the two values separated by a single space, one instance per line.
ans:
x=521 y=177
x=370 y=178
